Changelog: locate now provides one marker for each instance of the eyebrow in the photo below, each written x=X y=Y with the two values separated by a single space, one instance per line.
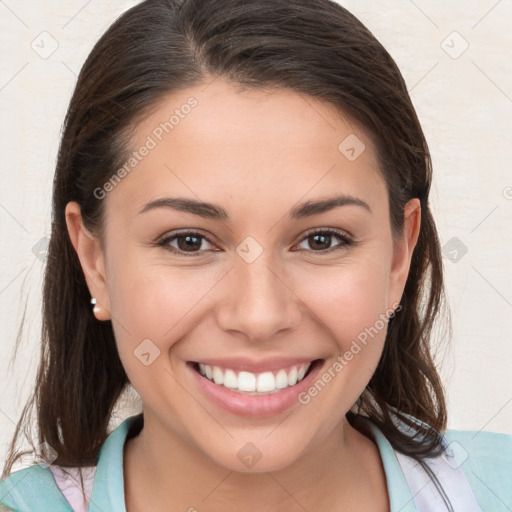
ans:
x=216 y=212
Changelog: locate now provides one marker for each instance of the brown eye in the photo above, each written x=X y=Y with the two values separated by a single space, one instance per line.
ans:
x=321 y=240
x=187 y=243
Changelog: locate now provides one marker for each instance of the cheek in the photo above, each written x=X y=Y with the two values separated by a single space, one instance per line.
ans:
x=155 y=302
x=350 y=304
x=348 y=298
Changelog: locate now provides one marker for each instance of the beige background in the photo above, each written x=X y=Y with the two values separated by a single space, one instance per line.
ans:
x=464 y=100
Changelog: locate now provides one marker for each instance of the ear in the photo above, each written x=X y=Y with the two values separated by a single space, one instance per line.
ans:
x=91 y=259
x=402 y=251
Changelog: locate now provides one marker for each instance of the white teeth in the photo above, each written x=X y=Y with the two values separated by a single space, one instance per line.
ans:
x=301 y=373
x=254 y=384
x=218 y=375
x=281 y=379
x=230 y=379
x=246 y=381
x=266 y=382
x=292 y=377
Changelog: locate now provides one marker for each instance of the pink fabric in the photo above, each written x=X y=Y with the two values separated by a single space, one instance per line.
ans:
x=68 y=481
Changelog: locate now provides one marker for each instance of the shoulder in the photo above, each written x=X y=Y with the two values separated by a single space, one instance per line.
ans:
x=474 y=465
x=57 y=489
x=486 y=459
x=479 y=449
x=32 y=488
x=481 y=440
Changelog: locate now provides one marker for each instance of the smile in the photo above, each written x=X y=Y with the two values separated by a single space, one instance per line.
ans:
x=250 y=383
x=256 y=389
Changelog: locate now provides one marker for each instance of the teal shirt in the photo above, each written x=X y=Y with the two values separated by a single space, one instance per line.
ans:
x=485 y=458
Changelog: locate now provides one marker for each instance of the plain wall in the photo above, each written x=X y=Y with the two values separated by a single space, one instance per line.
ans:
x=463 y=97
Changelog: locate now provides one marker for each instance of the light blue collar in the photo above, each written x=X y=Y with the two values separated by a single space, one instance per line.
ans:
x=108 y=488
x=400 y=497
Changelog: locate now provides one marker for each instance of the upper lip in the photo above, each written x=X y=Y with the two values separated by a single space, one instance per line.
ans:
x=257 y=365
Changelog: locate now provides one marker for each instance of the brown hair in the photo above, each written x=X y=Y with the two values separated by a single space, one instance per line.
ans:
x=314 y=47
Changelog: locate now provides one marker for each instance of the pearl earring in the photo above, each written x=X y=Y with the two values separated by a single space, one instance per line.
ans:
x=95 y=309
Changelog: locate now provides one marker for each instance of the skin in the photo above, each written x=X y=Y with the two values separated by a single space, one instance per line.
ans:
x=256 y=154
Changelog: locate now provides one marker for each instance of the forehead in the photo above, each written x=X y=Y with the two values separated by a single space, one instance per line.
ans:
x=277 y=143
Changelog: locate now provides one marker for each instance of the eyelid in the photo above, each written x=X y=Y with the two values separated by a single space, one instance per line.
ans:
x=164 y=240
x=346 y=240
x=333 y=231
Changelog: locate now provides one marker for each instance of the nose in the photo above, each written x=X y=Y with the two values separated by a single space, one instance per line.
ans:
x=259 y=300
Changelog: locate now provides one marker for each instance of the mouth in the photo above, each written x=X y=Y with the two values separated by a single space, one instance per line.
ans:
x=256 y=383
x=265 y=391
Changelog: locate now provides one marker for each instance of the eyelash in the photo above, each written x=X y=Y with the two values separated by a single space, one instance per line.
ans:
x=345 y=240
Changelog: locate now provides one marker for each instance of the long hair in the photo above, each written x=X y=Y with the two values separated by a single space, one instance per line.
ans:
x=313 y=47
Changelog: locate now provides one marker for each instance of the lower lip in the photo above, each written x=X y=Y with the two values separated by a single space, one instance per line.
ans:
x=250 y=405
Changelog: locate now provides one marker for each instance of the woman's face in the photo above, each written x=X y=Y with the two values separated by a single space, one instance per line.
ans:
x=252 y=289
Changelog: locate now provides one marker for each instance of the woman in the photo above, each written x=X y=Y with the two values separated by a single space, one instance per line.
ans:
x=241 y=231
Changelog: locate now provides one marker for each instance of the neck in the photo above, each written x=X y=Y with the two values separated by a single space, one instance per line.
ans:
x=161 y=468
